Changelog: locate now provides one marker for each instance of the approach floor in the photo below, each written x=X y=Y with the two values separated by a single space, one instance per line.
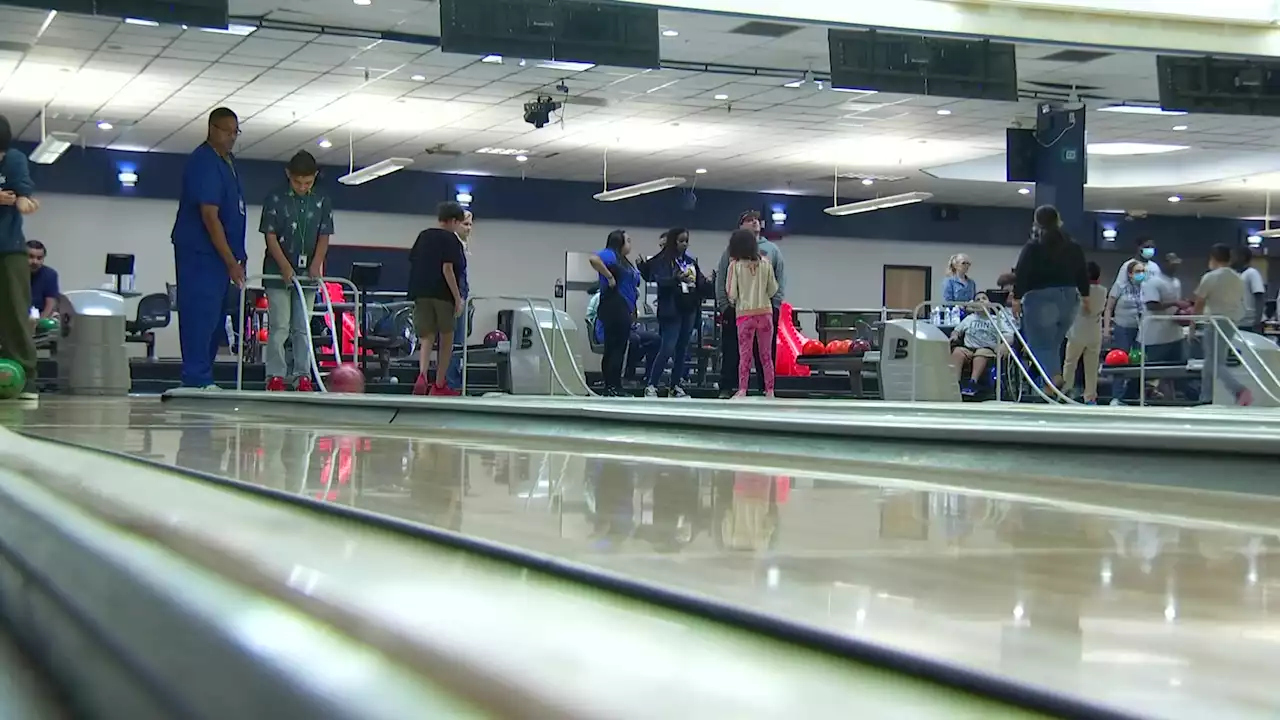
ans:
x=1163 y=613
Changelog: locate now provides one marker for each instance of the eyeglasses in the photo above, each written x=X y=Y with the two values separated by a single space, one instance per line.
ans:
x=225 y=131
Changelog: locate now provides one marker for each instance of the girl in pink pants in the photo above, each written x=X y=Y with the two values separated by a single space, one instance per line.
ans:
x=750 y=284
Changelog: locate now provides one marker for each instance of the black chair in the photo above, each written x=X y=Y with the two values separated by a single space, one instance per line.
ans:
x=153 y=313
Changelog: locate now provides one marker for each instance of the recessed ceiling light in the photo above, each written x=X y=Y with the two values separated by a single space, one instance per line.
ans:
x=868 y=181
x=104 y=125
x=944 y=111
x=1179 y=127
x=722 y=96
x=1132 y=148
x=362 y=2
x=418 y=78
x=324 y=143
x=522 y=158
x=1141 y=110
x=1024 y=191
x=1175 y=198
x=701 y=171
x=492 y=59
x=670 y=33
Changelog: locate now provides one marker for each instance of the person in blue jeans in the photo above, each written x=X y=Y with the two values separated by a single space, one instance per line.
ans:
x=462 y=326
x=1052 y=282
x=681 y=287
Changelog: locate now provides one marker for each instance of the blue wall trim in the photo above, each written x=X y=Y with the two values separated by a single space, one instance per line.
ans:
x=93 y=171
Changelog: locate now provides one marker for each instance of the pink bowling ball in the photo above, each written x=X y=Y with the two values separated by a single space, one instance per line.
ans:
x=346 y=378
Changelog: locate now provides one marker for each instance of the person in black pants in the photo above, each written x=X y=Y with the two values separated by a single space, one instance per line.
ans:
x=619 y=290
x=749 y=220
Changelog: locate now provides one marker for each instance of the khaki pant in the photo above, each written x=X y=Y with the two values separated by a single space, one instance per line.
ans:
x=1088 y=350
x=15 y=313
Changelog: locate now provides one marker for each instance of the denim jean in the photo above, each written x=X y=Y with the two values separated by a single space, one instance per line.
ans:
x=1126 y=339
x=675 y=333
x=1047 y=315
x=453 y=376
x=1216 y=353
x=288 y=317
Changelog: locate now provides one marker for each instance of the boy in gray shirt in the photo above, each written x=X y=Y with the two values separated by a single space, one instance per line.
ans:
x=1221 y=294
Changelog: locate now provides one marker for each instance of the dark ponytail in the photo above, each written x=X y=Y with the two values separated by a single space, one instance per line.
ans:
x=1047 y=228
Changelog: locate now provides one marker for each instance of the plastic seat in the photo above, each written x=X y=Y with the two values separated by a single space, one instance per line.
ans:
x=153 y=314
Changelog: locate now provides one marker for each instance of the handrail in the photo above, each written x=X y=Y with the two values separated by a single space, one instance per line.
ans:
x=1215 y=322
x=333 y=323
x=1013 y=353
x=546 y=347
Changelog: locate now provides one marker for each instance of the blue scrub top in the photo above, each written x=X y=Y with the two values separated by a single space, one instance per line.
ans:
x=628 y=277
x=208 y=179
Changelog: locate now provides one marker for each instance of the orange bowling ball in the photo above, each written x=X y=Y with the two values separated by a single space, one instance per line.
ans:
x=262 y=335
x=346 y=378
x=813 y=347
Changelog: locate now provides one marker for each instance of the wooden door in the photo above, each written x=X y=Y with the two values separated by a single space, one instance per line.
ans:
x=906 y=286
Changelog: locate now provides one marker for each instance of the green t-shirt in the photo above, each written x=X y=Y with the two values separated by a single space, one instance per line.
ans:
x=297 y=221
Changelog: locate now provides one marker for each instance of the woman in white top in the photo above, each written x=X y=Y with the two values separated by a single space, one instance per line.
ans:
x=1123 y=317
x=1085 y=338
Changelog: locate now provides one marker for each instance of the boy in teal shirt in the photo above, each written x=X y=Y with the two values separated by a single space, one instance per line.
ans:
x=297 y=222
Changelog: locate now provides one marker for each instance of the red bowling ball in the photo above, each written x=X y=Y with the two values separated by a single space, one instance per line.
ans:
x=346 y=378
x=1116 y=357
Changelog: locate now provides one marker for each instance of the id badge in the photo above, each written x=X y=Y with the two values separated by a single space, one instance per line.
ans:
x=302 y=262
x=242 y=207
x=684 y=288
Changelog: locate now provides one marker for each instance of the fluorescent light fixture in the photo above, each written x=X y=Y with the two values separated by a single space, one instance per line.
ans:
x=722 y=96
x=142 y=23
x=417 y=78
x=700 y=171
x=644 y=188
x=375 y=171
x=1268 y=234
x=240 y=30
x=794 y=84
x=52 y=147
x=566 y=65
x=1109 y=234
x=1179 y=128
x=522 y=158
x=362 y=2
x=128 y=178
x=1111 y=212
x=1024 y=191
x=1175 y=198
x=1141 y=110
x=944 y=111
x=868 y=182
x=464 y=198
x=492 y=59
x=325 y=144
x=500 y=151
x=860 y=91
x=779 y=217
x=670 y=33
x=883 y=203
x=104 y=125
x=1132 y=148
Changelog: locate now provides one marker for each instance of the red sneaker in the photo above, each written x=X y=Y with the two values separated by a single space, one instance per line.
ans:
x=421 y=386
x=304 y=385
x=276 y=384
x=444 y=391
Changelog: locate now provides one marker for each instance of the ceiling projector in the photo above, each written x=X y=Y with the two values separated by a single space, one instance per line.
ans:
x=538 y=112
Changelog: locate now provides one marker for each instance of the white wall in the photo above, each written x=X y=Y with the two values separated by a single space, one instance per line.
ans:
x=508 y=257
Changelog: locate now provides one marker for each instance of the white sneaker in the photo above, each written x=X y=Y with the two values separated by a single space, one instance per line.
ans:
x=1115 y=402
x=651 y=392
x=678 y=392
x=211 y=388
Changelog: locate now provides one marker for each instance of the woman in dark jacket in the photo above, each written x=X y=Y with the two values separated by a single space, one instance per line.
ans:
x=1052 y=281
x=681 y=286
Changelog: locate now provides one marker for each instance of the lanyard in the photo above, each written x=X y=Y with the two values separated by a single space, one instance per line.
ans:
x=299 y=210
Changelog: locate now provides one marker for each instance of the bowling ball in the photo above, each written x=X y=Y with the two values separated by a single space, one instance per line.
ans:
x=346 y=378
x=833 y=348
x=261 y=302
x=1135 y=356
x=1116 y=358
x=861 y=345
x=46 y=325
x=493 y=337
x=262 y=335
x=813 y=347
x=12 y=379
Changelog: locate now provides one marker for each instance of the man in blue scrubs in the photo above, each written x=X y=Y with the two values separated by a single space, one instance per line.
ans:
x=208 y=247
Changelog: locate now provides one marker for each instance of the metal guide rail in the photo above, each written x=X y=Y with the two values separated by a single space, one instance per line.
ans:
x=214 y=612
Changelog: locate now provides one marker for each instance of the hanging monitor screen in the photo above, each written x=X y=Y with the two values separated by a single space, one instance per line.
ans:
x=1216 y=85
x=201 y=13
x=563 y=30
x=922 y=65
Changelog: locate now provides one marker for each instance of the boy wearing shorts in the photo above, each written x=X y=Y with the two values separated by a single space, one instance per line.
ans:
x=437 y=272
x=979 y=339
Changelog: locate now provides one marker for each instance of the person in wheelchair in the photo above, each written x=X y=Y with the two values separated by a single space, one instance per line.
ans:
x=979 y=338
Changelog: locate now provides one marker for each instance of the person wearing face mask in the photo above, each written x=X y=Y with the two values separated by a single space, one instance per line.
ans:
x=1122 y=318
x=1145 y=253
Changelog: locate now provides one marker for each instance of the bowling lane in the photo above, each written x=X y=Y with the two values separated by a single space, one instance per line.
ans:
x=1147 y=598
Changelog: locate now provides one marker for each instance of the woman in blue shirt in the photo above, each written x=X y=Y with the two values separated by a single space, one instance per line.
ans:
x=619 y=289
x=959 y=287
x=681 y=286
